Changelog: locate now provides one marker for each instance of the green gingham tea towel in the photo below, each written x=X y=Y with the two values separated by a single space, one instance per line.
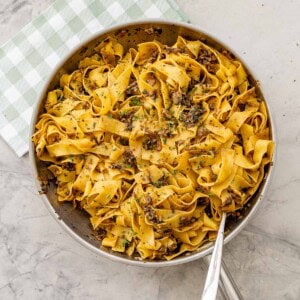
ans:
x=28 y=58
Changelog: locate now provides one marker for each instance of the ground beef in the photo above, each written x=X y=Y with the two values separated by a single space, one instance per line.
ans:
x=120 y=33
x=150 y=214
x=232 y=197
x=155 y=30
x=192 y=84
x=124 y=141
x=241 y=106
x=129 y=158
x=153 y=94
x=202 y=132
x=180 y=98
x=149 y=30
x=100 y=234
x=127 y=118
x=190 y=117
x=152 y=142
x=151 y=78
x=132 y=89
x=153 y=57
x=227 y=202
x=166 y=132
x=208 y=211
x=44 y=187
x=115 y=166
x=207 y=59
x=239 y=140
x=162 y=55
x=68 y=166
x=203 y=201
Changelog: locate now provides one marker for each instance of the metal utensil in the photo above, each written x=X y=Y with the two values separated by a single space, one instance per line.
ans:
x=230 y=290
x=213 y=274
x=227 y=286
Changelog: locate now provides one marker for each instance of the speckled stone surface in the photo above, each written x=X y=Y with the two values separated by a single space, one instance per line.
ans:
x=38 y=260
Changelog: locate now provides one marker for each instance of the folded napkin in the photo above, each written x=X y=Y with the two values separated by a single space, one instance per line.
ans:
x=29 y=57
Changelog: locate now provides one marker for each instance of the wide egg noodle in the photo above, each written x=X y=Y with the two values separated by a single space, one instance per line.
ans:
x=154 y=143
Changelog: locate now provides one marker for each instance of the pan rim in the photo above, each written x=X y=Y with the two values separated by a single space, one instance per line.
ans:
x=181 y=259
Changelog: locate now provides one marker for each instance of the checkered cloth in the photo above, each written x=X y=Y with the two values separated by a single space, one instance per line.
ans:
x=28 y=58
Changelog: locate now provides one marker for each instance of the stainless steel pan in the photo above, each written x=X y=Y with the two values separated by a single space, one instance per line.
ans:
x=75 y=221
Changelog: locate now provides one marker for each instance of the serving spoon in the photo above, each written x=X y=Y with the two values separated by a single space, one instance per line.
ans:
x=213 y=274
x=227 y=287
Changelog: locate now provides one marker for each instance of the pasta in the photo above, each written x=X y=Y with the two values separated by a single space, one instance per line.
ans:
x=154 y=143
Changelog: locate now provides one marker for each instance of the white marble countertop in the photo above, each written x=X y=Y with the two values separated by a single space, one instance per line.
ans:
x=40 y=260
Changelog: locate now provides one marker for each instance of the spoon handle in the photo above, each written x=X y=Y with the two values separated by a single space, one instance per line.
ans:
x=212 y=278
x=229 y=288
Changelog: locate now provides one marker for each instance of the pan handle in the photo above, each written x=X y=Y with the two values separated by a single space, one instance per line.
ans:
x=228 y=287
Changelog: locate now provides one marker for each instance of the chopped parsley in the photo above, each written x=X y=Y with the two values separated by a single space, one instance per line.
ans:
x=161 y=181
x=134 y=101
x=138 y=200
x=125 y=243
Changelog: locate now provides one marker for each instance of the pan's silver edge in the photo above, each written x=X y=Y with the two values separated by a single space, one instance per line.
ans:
x=180 y=260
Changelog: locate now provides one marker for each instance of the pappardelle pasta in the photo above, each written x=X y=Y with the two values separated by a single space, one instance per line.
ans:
x=155 y=143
